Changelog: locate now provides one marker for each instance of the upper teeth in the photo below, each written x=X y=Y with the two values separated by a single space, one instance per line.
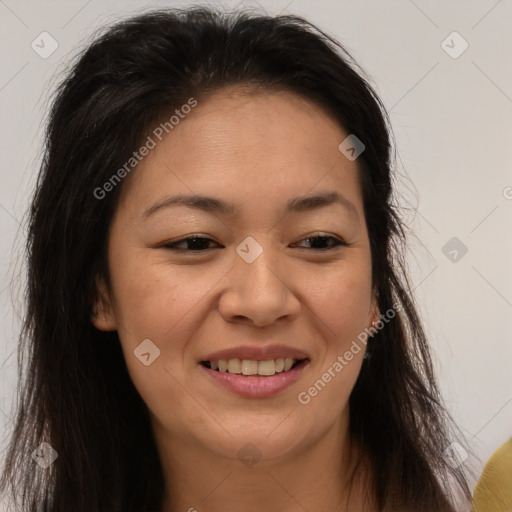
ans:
x=249 y=367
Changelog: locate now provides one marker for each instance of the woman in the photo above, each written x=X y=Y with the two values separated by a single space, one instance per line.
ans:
x=219 y=315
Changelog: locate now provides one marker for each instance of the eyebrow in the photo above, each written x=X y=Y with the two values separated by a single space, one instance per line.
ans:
x=213 y=205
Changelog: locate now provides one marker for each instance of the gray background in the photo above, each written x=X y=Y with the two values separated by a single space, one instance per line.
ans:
x=452 y=119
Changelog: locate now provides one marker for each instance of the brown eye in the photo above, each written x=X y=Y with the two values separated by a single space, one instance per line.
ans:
x=320 y=242
x=193 y=244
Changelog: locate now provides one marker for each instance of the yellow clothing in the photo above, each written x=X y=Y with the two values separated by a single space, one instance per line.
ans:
x=493 y=492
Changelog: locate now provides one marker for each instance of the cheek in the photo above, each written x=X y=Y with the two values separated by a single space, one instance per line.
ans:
x=153 y=302
x=341 y=305
x=165 y=304
x=152 y=297
x=342 y=301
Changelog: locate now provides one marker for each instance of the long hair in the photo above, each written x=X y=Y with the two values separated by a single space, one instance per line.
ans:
x=75 y=391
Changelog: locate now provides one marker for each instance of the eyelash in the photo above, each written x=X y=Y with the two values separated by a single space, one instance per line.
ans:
x=173 y=245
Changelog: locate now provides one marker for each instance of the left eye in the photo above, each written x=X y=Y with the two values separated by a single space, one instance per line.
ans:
x=321 y=240
x=200 y=244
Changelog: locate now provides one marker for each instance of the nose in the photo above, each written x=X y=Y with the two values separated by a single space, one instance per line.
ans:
x=260 y=292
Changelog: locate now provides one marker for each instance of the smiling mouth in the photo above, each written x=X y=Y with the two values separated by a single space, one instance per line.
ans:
x=247 y=367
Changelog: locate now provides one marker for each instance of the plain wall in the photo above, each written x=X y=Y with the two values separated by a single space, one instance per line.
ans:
x=452 y=119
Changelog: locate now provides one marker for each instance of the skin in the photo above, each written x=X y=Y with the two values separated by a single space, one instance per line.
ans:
x=251 y=149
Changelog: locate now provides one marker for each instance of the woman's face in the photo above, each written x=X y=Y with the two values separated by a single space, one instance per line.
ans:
x=258 y=283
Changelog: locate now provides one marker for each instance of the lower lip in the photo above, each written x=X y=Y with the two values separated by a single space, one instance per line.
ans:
x=256 y=386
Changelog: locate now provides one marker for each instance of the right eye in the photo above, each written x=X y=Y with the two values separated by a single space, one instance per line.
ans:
x=195 y=244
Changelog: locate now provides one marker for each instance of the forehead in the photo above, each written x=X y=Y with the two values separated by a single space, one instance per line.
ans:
x=260 y=145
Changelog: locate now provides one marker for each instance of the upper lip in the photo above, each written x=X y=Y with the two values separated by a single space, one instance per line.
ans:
x=256 y=353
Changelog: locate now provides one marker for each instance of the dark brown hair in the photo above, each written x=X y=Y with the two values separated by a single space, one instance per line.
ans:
x=76 y=393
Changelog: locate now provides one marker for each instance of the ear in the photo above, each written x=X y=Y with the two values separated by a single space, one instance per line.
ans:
x=102 y=316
